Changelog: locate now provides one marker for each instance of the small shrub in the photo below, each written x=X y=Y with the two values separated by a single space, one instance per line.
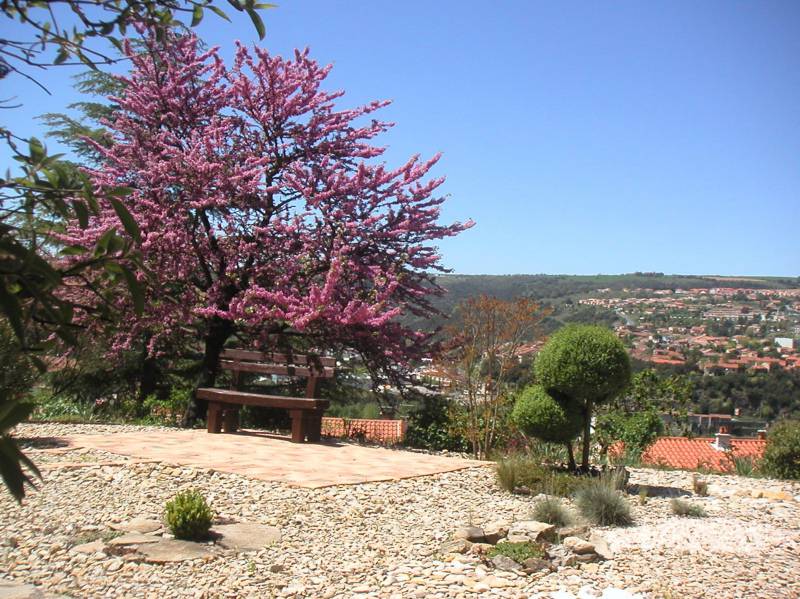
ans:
x=522 y=471
x=745 y=465
x=699 y=486
x=552 y=511
x=189 y=516
x=599 y=502
x=434 y=425
x=643 y=491
x=519 y=552
x=782 y=454
x=684 y=508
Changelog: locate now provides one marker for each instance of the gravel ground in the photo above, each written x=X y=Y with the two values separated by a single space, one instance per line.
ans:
x=381 y=539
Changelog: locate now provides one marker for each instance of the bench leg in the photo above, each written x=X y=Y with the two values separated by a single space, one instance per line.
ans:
x=314 y=426
x=298 y=425
x=214 y=417
x=230 y=420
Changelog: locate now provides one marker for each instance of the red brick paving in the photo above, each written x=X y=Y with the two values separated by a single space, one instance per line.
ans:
x=267 y=457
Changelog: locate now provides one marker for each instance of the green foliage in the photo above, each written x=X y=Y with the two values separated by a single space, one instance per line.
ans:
x=684 y=508
x=745 y=465
x=782 y=454
x=538 y=414
x=189 y=516
x=636 y=430
x=552 y=511
x=600 y=503
x=699 y=486
x=520 y=471
x=583 y=362
x=519 y=552
x=434 y=424
x=17 y=376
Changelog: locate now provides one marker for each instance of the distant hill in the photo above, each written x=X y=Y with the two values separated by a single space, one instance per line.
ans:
x=557 y=289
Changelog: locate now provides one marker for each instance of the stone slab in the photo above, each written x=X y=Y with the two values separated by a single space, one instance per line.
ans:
x=268 y=457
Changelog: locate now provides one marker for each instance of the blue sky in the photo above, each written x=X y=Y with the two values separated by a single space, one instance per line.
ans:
x=583 y=138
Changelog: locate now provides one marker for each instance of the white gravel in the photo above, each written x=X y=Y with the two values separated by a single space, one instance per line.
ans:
x=381 y=539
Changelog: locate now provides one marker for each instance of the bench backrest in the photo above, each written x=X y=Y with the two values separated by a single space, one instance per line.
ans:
x=309 y=366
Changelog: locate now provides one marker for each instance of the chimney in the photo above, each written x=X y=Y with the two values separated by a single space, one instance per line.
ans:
x=723 y=442
x=761 y=434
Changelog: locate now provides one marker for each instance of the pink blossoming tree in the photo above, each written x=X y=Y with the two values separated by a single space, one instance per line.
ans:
x=262 y=209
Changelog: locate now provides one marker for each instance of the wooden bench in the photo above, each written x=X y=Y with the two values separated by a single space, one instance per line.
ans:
x=305 y=412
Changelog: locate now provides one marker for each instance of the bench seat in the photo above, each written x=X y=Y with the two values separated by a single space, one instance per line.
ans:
x=306 y=414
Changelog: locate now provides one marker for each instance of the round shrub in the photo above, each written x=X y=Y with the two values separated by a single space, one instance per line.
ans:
x=551 y=511
x=539 y=415
x=189 y=516
x=782 y=454
x=583 y=362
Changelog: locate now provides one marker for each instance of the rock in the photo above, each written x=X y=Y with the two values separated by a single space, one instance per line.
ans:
x=757 y=493
x=275 y=568
x=601 y=548
x=590 y=568
x=532 y=530
x=89 y=548
x=480 y=548
x=777 y=495
x=505 y=563
x=13 y=590
x=534 y=564
x=133 y=538
x=573 y=531
x=495 y=531
x=586 y=558
x=578 y=546
x=140 y=525
x=473 y=534
x=245 y=536
x=171 y=550
x=455 y=546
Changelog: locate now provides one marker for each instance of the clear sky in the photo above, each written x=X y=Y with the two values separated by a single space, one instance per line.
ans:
x=583 y=138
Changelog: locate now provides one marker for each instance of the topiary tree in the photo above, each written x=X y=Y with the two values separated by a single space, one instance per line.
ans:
x=538 y=414
x=582 y=366
x=782 y=454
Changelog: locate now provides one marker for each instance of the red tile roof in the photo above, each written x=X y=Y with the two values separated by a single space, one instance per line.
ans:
x=690 y=454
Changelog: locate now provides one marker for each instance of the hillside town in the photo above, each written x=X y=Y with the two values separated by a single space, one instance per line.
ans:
x=716 y=330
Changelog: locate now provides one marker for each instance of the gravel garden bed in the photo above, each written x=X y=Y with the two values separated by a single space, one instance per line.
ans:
x=381 y=539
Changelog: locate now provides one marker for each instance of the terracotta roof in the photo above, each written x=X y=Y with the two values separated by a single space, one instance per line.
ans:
x=690 y=454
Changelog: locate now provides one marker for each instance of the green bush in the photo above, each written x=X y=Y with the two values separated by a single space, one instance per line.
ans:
x=552 y=511
x=519 y=552
x=189 y=516
x=539 y=415
x=782 y=454
x=434 y=425
x=600 y=503
x=684 y=508
x=522 y=471
x=745 y=465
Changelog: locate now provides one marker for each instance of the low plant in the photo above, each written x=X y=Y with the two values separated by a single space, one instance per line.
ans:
x=551 y=511
x=745 y=465
x=521 y=471
x=519 y=552
x=699 y=486
x=782 y=454
x=643 y=492
x=684 y=508
x=600 y=503
x=189 y=516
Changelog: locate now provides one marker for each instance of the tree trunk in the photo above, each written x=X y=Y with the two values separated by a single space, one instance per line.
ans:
x=218 y=333
x=571 y=455
x=587 y=434
x=148 y=379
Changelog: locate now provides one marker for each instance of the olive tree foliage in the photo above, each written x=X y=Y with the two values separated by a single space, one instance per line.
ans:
x=634 y=417
x=782 y=454
x=583 y=366
x=480 y=358
x=39 y=192
x=539 y=414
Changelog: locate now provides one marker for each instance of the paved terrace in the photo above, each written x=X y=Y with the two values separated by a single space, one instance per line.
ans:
x=272 y=458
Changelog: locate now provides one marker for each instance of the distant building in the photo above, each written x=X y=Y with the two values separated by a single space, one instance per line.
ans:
x=784 y=342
